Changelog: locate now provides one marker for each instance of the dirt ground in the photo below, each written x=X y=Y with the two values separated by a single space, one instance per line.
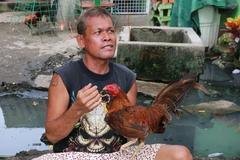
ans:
x=23 y=54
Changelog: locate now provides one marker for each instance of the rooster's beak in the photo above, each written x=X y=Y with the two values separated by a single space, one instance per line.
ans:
x=105 y=107
x=106 y=99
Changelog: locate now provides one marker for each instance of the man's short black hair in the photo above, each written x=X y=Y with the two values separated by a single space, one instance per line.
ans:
x=93 y=12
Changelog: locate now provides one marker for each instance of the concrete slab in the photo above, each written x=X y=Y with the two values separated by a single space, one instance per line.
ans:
x=160 y=53
x=42 y=81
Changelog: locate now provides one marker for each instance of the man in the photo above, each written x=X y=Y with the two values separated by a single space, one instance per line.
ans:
x=75 y=116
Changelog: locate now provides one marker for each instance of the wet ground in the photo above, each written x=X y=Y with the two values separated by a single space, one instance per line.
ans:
x=206 y=132
x=26 y=62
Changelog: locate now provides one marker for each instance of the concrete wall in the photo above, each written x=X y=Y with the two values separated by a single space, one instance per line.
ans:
x=132 y=20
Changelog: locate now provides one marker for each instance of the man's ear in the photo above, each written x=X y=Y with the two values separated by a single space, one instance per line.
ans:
x=80 y=41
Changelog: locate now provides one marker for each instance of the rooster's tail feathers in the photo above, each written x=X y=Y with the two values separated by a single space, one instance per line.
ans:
x=173 y=94
x=201 y=88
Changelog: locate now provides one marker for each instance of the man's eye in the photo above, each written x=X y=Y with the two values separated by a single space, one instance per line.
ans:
x=111 y=31
x=98 y=32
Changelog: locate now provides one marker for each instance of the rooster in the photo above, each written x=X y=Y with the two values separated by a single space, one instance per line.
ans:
x=137 y=122
x=32 y=19
x=48 y=10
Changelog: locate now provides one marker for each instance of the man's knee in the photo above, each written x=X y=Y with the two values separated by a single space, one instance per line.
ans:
x=173 y=152
x=182 y=153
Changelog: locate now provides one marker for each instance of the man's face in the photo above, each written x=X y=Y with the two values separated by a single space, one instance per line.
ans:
x=99 y=39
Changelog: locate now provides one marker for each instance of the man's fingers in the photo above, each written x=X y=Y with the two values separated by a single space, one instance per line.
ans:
x=90 y=96
x=95 y=104
x=85 y=88
x=95 y=100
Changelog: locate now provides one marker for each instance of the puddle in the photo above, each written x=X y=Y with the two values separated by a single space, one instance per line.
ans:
x=204 y=131
x=22 y=117
x=203 y=136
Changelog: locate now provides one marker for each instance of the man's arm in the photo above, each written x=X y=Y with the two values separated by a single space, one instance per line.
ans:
x=60 y=120
x=132 y=93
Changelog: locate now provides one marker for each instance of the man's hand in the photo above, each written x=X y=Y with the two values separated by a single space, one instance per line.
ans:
x=88 y=98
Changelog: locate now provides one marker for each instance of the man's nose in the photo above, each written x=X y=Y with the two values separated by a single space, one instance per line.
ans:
x=106 y=36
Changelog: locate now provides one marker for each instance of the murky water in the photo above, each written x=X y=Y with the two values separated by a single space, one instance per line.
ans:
x=22 y=117
x=203 y=126
x=200 y=127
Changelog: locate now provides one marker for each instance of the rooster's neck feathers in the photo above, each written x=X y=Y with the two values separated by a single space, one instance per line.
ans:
x=119 y=102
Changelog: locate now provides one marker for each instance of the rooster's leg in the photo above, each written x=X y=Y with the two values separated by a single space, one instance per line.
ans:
x=137 y=150
x=131 y=142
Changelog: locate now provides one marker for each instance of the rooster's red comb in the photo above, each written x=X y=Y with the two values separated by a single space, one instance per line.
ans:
x=113 y=89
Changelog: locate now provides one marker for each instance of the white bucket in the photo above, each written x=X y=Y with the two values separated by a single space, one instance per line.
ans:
x=209 y=20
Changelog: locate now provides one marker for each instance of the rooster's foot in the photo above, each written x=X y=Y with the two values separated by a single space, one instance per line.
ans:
x=137 y=151
x=128 y=144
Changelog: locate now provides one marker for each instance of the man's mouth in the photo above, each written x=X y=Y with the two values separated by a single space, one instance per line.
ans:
x=108 y=46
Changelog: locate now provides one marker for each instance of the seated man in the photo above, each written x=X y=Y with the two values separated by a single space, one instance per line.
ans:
x=75 y=116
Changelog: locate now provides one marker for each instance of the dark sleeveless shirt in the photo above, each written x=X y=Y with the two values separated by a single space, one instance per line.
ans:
x=91 y=133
